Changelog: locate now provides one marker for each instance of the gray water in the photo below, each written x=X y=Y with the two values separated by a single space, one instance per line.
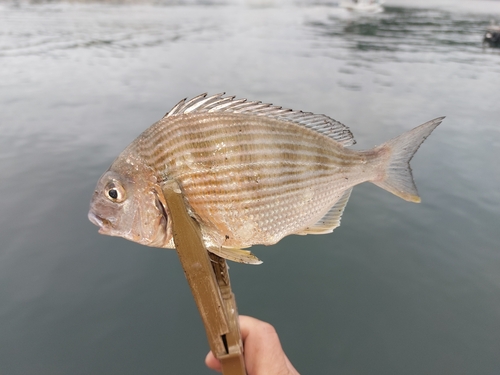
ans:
x=398 y=288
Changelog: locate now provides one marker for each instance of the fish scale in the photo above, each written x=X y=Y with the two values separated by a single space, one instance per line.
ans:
x=250 y=173
x=246 y=171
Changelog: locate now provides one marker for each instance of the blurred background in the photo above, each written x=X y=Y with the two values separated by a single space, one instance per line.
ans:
x=398 y=288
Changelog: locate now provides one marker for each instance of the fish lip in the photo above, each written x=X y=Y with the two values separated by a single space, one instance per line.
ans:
x=102 y=223
x=94 y=219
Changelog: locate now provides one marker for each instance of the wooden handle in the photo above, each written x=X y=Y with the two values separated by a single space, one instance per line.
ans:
x=208 y=278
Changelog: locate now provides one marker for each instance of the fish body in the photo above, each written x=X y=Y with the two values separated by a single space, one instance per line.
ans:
x=250 y=173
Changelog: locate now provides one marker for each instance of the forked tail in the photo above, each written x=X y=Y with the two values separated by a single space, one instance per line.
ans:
x=397 y=177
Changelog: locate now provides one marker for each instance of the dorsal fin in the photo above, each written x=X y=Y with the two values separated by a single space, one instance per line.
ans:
x=218 y=103
x=331 y=220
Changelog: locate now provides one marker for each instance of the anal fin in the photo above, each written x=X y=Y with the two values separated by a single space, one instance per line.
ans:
x=331 y=219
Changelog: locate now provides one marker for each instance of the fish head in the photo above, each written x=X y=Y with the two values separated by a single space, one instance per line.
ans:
x=128 y=202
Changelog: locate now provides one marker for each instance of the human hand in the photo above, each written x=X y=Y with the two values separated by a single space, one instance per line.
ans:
x=262 y=350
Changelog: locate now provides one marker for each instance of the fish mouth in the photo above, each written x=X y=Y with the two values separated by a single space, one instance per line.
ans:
x=103 y=224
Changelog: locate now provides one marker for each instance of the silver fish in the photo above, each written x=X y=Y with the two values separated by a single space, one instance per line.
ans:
x=250 y=173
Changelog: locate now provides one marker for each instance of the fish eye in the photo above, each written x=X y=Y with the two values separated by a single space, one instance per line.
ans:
x=115 y=192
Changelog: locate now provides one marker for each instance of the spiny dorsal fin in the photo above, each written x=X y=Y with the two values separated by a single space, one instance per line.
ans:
x=331 y=220
x=218 y=103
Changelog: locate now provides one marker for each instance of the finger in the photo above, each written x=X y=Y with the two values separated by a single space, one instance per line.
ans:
x=263 y=351
x=212 y=362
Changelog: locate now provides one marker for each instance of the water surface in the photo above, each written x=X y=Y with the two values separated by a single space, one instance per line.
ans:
x=399 y=288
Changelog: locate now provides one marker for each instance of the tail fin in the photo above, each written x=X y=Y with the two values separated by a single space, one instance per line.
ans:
x=398 y=178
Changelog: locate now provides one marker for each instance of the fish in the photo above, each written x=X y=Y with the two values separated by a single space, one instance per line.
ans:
x=250 y=173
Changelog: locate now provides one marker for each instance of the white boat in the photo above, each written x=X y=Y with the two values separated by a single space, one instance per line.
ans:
x=363 y=6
